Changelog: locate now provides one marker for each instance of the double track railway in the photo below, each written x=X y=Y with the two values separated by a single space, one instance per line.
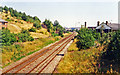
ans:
x=38 y=61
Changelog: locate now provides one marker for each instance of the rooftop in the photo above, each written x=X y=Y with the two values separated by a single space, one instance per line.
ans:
x=103 y=26
x=114 y=26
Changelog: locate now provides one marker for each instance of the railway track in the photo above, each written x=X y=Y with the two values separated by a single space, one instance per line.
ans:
x=37 y=62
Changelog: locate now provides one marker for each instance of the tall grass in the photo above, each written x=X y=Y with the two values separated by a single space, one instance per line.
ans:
x=73 y=46
x=84 y=61
x=16 y=52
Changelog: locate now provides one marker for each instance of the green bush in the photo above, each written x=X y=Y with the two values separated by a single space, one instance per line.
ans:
x=16 y=21
x=7 y=37
x=37 y=25
x=21 y=22
x=86 y=39
x=96 y=35
x=61 y=33
x=32 y=30
x=20 y=15
x=8 y=19
x=24 y=36
x=54 y=34
x=113 y=51
x=31 y=39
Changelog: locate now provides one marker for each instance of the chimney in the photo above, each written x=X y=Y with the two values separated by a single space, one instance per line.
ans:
x=106 y=22
x=98 y=23
x=85 y=24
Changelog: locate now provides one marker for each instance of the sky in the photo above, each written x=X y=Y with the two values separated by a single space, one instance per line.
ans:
x=70 y=13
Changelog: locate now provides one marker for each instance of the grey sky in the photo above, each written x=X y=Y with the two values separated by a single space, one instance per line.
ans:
x=69 y=13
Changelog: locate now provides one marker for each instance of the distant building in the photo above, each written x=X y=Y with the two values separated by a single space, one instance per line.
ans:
x=67 y=29
x=103 y=27
x=114 y=26
x=107 y=27
x=91 y=28
x=3 y=23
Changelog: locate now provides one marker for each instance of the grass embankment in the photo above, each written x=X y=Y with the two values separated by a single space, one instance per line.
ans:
x=16 y=25
x=83 y=61
x=16 y=52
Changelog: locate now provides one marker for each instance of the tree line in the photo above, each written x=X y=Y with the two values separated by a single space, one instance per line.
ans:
x=9 y=38
x=54 y=28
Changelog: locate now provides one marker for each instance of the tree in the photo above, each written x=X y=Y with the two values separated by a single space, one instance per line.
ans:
x=16 y=14
x=7 y=37
x=35 y=18
x=56 y=23
x=24 y=17
x=86 y=39
x=32 y=30
x=113 y=50
x=49 y=25
x=96 y=35
x=24 y=36
x=37 y=25
x=61 y=33
x=6 y=9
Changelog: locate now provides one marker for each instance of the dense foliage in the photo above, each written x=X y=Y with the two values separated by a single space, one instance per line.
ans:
x=86 y=39
x=37 y=25
x=113 y=50
x=32 y=30
x=55 y=28
x=9 y=38
x=20 y=15
x=24 y=36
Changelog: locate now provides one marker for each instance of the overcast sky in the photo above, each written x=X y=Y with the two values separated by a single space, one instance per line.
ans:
x=68 y=13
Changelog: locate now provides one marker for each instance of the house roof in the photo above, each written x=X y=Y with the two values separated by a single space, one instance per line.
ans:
x=103 y=26
x=1 y=20
x=114 y=26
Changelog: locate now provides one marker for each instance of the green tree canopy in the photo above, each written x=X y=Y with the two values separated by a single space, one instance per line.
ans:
x=6 y=9
x=86 y=39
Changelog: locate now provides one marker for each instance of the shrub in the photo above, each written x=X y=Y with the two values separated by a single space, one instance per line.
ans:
x=113 y=51
x=21 y=22
x=54 y=34
x=32 y=30
x=62 y=35
x=86 y=39
x=37 y=25
x=24 y=36
x=96 y=35
x=7 y=37
x=31 y=39
x=8 y=19
x=16 y=21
